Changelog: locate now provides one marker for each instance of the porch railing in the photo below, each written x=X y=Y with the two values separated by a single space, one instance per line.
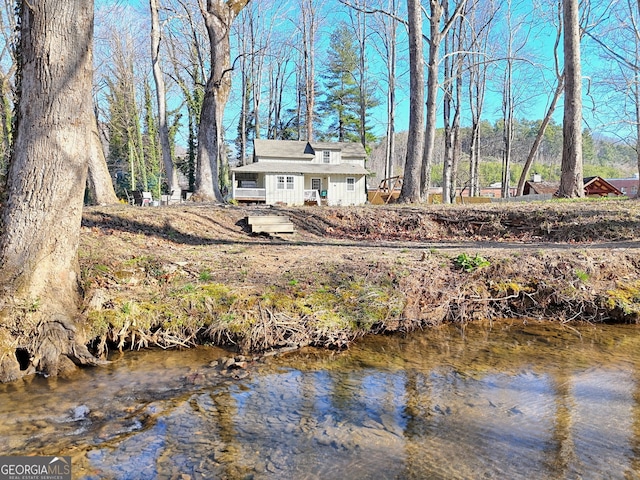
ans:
x=254 y=194
x=312 y=196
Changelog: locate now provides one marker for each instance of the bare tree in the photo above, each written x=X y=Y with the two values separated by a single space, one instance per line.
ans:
x=309 y=26
x=619 y=47
x=99 y=182
x=40 y=280
x=158 y=76
x=415 y=141
x=452 y=86
x=571 y=182
x=185 y=48
x=280 y=76
x=438 y=29
x=557 y=93
x=218 y=17
x=387 y=31
x=479 y=21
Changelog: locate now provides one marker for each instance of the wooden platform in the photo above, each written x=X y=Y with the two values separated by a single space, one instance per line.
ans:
x=270 y=224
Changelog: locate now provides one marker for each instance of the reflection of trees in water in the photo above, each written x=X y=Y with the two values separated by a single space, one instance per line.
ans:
x=417 y=411
x=635 y=425
x=345 y=389
x=562 y=452
x=224 y=413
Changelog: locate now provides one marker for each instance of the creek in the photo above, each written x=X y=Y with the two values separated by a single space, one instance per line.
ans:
x=495 y=400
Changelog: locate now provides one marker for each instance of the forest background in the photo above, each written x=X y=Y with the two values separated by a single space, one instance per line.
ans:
x=500 y=71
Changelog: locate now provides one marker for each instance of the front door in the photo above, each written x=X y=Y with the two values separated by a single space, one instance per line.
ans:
x=316 y=184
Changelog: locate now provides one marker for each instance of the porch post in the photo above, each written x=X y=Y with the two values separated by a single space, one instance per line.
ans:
x=233 y=184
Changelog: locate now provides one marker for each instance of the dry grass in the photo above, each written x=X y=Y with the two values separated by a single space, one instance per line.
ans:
x=182 y=275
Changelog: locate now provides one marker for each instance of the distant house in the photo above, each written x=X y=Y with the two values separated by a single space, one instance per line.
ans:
x=593 y=187
x=297 y=172
x=628 y=186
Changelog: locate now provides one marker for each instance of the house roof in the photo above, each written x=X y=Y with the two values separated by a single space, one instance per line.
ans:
x=592 y=186
x=541 y=188
x=599 y=186
x=300 y=150
x=309 y=168
x=283 y=149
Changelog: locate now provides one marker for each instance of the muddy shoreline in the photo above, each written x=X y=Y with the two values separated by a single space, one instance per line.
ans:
x=190 y=274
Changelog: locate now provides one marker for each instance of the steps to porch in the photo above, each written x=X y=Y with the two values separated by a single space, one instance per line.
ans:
x=270 y=224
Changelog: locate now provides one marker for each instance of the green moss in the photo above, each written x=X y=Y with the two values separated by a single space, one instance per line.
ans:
x=510 y=288
x=625 y=297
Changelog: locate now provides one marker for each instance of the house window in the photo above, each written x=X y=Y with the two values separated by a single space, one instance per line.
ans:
x=284 y=182
x=326 y=156
x=351 y=184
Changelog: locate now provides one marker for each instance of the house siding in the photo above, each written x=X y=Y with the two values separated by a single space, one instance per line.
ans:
x=293 y=196
x=339 y=194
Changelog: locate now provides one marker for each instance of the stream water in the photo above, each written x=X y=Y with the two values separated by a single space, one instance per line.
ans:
x=505 y=400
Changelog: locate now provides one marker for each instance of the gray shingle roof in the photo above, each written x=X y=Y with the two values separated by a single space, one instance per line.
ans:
x=300 y=150
x=282 y=149
x=317 y=168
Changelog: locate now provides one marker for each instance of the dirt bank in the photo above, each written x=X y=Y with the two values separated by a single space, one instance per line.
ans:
x=193 y=273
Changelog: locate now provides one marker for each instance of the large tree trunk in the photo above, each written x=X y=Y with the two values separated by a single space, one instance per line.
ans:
x=571 y=182
x=218 y=16
x=41 y=292
x=415 y=137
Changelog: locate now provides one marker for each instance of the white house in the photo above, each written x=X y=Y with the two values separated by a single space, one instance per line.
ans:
x=292 y=172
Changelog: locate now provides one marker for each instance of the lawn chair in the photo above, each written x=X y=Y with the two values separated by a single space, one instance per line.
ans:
x=130 y=199
x=176 y=196
x=147 y=198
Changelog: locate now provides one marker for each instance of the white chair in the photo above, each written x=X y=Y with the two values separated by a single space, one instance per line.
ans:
x=176 y=196
x=147 y=198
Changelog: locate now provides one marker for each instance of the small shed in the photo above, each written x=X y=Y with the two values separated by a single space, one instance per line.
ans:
x=599 y=187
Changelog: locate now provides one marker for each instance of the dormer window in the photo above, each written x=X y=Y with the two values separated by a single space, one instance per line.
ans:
x=326 y=156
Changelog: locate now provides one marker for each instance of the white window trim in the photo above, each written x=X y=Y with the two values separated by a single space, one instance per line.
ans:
x=280 y=182
x=289 y=180
x=351 y=187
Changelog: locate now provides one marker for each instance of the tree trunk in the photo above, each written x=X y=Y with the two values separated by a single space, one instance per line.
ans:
x=415 y=137
x=218 y=16
x=457 y=141
x=391 y=92
x=41 y=293
x=539 y=137
x=309 y=21
x=432 y=98
x=571 y=181
x=636 y=92
x=158 y=76
x=99 y=180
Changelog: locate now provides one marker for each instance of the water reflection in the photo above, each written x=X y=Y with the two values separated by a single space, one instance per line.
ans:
x=505 y=400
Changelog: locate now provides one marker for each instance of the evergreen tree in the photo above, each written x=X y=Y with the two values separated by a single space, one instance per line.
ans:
x=341 y=103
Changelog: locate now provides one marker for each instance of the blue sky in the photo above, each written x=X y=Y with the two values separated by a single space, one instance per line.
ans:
x=533 y=77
